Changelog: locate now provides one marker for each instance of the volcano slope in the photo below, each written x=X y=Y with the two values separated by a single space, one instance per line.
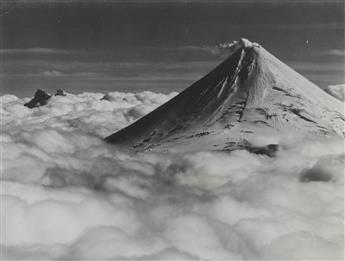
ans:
x=251 y=93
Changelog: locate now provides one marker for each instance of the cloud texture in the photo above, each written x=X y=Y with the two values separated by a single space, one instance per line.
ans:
x=68 y=195
x=337 y=91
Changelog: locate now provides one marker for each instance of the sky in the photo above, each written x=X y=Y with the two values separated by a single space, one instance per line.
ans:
x=163 y=46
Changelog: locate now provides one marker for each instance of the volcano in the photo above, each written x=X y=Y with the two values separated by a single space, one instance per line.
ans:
x=251 y=92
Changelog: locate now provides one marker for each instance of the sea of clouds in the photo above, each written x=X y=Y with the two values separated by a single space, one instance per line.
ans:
x=66 y=194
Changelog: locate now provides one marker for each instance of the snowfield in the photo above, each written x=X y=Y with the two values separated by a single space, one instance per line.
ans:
x=67 y=194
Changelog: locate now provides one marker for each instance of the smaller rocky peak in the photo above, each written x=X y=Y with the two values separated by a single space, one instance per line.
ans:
x=60 y=92
x=40 y=99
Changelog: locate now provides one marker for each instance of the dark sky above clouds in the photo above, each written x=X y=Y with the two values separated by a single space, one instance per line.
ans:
x=158 y=45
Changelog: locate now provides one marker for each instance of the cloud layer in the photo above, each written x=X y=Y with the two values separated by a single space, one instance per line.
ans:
x=68 y=195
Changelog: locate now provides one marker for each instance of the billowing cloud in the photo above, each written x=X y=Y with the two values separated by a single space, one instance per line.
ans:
x=337 y=91
x=66 y=194
x=221 y=50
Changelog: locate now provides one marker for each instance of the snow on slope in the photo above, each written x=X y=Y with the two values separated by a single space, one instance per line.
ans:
x=68 y=195
x=251 y=92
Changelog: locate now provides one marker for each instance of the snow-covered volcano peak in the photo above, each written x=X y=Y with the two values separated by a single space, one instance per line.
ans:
x=235 y=45
x=250 y=92
x=245 y=43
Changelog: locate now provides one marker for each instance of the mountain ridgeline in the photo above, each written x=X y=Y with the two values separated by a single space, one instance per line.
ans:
x=251 y=92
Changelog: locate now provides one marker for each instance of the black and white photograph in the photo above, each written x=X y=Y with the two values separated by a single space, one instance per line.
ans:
x=172 y=130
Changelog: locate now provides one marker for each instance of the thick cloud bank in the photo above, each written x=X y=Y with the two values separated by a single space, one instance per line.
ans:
x=68 y=195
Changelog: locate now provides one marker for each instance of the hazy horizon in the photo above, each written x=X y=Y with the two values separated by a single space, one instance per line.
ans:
x=135 y=46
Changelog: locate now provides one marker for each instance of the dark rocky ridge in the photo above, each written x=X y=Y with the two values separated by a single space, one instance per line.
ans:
x=194 y=106
x=41 y=98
